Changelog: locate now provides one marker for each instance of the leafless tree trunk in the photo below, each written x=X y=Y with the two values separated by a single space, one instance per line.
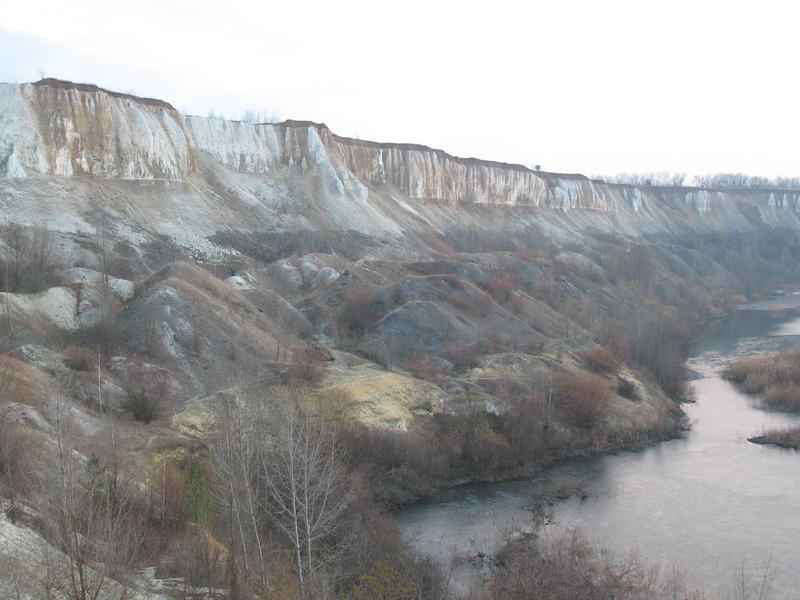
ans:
x=93 y=518
x=17 y=244
x=149 y=387
x=14 y=474
x=279 y=469
x=233 y=455
x=43 y=257
x=305 y=484
x=7 y=303
x=106 y=319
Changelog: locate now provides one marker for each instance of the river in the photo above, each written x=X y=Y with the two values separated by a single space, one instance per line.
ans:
x=710 y=502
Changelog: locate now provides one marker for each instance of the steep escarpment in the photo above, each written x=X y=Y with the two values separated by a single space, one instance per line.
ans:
x=299 y=174
x=61 y=129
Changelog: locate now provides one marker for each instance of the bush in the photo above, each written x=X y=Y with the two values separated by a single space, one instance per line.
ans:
x=147 y=391
x=783 y=397
x=739 y=370
x=464 y=356
x=571 y=568
x=31 y=258
x=757 y=381
x=79 y=358
x=358 y=311
x=437 y=244
x=308 y=364
x=583 y=398
x=627 y=389
x=424 y=367
x=788 y=437
x=599 y=359
x=498 y=285
x=334 y=404
x=17 y=477
x=405 y=464
x=777 y=376
x=385 y=581
x=613 y=334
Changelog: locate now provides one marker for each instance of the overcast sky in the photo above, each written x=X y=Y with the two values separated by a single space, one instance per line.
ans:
x=591 y=87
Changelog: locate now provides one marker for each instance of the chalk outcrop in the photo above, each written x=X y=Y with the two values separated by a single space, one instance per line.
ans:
x=188 y=177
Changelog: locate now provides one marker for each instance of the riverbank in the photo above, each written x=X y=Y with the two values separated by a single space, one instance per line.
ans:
x=782 y=438
x=783 y=305
x=674 y=503
x=553 y=460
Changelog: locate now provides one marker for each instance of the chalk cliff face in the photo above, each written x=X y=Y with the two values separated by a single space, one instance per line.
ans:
x=300 y=174
x=56 y=129
x=414 y=171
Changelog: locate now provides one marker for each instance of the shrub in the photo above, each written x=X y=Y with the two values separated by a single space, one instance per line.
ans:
x=788 y=437
x=385 y=582
x=358 y=311
x=498 y=285
x=758 y=374
x=483 y=449
x=405 y=464
x=756 y=381
x=79 y=358
x=16 y=475
x=627 y=389
x=613 y=334
x=167 y=489
x=784 y=397
x=437 y=244
x=424 y=367
x=464 y=356
x=32 y=258
x=599 y=359
x=570 y=568
x=334 y=404
x=491 y=342
x=739 y=370
x=308 y=364
x=148 y=388
x=583 y=398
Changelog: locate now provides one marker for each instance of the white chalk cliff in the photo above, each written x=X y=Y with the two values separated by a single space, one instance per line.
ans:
x=74 y=146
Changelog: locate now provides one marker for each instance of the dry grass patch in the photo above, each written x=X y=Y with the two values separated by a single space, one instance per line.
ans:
x=776 y=376
x=788 y=437
x=783 y=397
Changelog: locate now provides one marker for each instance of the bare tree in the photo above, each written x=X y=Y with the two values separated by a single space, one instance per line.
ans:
x=308 y=364
x=93 y=519
x=235 y=454
x=106 y=315
x=43 y=257
x=17 y=244
x=657 y=178
x=279 y=471
x=304 y=475
x=148 y=388
x=31 y=258
x=14 y=475
x=754 y=583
